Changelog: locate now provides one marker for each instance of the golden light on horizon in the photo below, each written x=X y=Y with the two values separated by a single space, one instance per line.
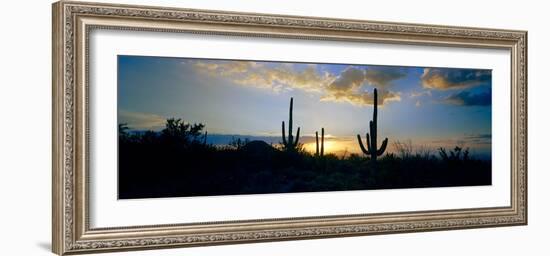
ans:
x=334 y=146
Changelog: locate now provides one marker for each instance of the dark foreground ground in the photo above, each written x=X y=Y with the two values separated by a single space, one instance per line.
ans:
x=153 y=165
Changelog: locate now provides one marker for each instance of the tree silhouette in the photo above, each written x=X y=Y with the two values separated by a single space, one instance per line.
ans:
x=177 y=131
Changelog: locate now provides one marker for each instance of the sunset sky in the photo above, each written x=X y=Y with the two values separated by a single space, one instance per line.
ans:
x=431 y=107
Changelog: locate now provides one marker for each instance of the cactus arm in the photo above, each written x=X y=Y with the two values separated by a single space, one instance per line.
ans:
x=284 y=136
x=382 y=147
x=322 y=141
x=297 y=137
x=365 y=151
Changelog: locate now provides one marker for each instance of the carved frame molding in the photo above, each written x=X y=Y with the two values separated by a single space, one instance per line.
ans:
x=72 y=22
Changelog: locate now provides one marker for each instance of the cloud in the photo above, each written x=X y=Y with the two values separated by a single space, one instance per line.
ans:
x=225 y=68
x=276 y=78
x=361 y=98
x=416 y=95
x=420 y=94
x=141 y=121
x=347 y=87
x=350 y=79
x=382 y=77
x=478 y=138
x=466 y=98
x=344 y=87
x=284 y=77
x=471 y=140
x=448 y=78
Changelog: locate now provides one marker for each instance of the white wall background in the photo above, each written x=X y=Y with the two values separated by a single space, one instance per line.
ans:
x=25 y=114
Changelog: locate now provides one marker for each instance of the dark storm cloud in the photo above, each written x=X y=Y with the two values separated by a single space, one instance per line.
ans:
x=452 y=78
x=466 y=98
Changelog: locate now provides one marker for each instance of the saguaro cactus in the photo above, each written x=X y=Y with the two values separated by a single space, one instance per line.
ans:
x=322 y=142
x=291 y=142
x=371 y=141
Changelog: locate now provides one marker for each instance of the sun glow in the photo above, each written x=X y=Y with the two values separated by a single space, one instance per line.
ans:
x=333 y=146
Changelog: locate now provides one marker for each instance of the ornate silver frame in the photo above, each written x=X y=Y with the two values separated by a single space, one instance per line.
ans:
x=72 y=22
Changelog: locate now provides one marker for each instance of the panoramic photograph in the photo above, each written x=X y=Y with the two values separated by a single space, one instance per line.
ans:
x=192 y=127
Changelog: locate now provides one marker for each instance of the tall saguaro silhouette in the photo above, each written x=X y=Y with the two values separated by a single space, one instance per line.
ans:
x=291 y=143
x=317 y=153
x=372 y=148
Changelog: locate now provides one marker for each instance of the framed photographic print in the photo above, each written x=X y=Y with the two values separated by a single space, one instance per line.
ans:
x=178 y=127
